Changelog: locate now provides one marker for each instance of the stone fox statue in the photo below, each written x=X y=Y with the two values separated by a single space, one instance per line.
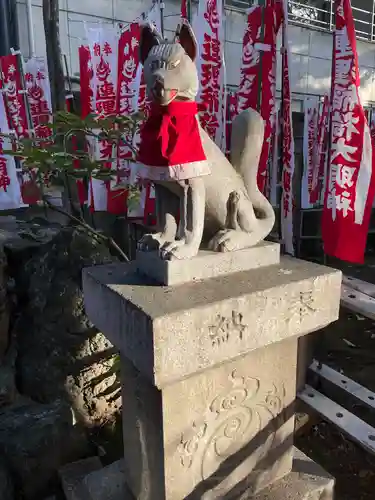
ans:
x=220 y=203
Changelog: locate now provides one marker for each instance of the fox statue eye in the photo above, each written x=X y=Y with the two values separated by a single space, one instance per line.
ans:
x=155 y=65
x=174 y=64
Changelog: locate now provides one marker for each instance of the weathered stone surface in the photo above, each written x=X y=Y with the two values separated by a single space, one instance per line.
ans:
x=72 y=476
x=60 y=353
x=307 y=481
x=209 y=373
x=207 y=264
x=212 y=432
x=8 y=391
x=6 y=484
x=108 y=483
x=172 y=332
x=35 y=441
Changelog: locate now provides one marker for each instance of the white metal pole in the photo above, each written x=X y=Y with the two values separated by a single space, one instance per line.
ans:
x=30 y=28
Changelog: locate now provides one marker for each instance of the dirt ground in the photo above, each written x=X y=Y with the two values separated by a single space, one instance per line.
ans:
x=347 y=345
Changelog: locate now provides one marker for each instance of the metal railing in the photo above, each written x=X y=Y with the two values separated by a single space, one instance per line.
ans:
x=319 y=14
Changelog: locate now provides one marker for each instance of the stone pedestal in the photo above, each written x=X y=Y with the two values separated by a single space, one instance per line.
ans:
x=209 y=372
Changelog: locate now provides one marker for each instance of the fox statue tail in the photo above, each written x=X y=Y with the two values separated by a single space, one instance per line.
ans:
x=246 y=148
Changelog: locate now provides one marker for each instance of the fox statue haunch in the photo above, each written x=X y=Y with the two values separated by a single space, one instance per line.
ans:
x=224 y=208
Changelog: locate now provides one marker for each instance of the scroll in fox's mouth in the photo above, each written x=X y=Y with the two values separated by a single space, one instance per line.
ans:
x=162 y=95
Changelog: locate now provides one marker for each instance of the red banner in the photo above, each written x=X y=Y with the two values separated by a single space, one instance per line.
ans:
x=321 y=152
x=258 y=74
x=85 y=74
x=287 y=152
x=127 y=97
x=16 y=107
x=350 y=184
x=184 y=9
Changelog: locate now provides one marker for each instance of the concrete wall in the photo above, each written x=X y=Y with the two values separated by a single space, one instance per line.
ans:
x=311 y=50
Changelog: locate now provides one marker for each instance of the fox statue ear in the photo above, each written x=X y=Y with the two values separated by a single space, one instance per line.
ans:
x=188 y=41
x=149 y=38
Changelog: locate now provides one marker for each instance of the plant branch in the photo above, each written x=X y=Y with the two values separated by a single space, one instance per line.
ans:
x=110 y=241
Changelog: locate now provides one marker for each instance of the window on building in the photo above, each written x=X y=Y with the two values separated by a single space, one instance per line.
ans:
x=239 y=4
x=315 y=13
x=319 y=14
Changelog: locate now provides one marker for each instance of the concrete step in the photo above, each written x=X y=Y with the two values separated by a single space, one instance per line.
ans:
x=307 y=481
x=88 y=480
x=108 y=483
x=72 y=476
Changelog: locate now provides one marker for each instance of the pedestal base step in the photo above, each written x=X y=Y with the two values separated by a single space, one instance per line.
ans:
x=307 y=481
x=88 y=480
x=72 y=476
x=108 y=483
x=207 y=264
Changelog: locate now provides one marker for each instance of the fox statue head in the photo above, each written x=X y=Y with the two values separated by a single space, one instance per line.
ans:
x=169 y=67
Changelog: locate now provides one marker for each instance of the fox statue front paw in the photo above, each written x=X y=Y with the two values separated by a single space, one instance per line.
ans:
x=179 y=250
x=151 y=242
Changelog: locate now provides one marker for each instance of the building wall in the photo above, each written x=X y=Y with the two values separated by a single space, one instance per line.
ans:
x=311 y=50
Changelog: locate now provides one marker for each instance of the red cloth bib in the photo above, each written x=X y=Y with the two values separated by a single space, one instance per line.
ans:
x=171 y=138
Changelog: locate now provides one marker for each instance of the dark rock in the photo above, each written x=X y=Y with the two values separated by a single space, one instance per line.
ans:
x=60 y=353
x=58 y=369
x=6 y=484
x=72 y=476
x=35 y=441
x=4 y=306
x=8 y=391
x=108 y=483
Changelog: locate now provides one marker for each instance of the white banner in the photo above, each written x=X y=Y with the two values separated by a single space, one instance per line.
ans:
x=10 y=192
x=310 y=157
x=103 y=43
x=137 y=210
x=38 y=90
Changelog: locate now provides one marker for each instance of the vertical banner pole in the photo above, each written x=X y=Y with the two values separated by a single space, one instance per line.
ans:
x=70 y=96
x=261 y=3
x=189 y=12
x=162 y=7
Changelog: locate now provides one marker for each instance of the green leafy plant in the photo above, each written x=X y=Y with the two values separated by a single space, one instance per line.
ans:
x=69 y=154
x=69 y=150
